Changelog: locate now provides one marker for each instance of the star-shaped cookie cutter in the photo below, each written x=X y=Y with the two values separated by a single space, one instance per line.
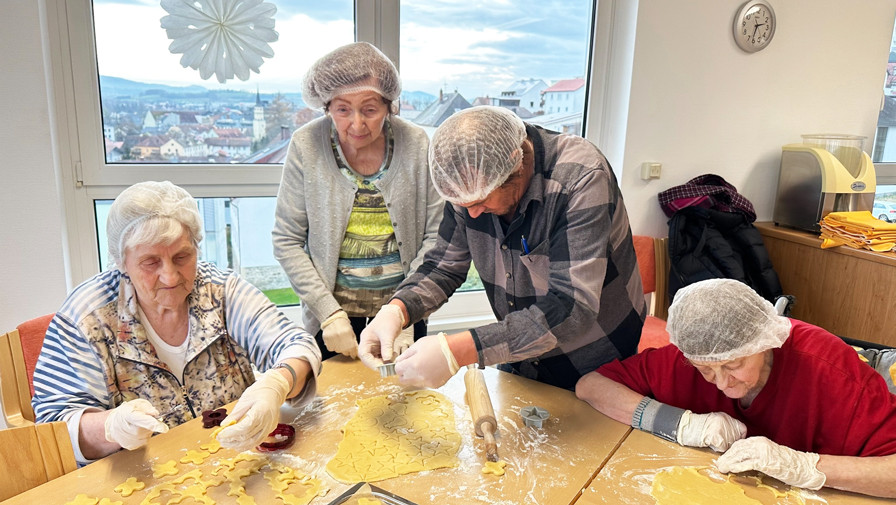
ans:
x=534 y=416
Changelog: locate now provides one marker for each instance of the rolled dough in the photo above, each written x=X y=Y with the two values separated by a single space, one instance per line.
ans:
x=395 y=434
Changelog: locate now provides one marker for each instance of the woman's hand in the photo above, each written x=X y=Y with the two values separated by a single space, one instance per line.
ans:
x=256 y=413
x=339 y=336
x=378 y=338
x=783 y=463
x=132 y=423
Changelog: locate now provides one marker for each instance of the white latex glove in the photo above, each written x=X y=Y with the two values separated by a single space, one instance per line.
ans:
x=339 y=336
x=403 y=341
x=715 y=430
x=378 y=337
x=783 y=463
x=132 y=423
x=256 y=413
x=428 y=363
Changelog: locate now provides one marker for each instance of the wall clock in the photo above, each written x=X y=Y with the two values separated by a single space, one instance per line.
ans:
x=754 y=25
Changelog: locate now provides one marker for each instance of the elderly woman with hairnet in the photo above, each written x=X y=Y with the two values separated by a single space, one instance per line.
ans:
x=162 y=337
x=356 y=210
x=815 y=415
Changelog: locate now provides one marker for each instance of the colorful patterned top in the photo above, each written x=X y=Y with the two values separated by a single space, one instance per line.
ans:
x=96 y=354
x=369 y=267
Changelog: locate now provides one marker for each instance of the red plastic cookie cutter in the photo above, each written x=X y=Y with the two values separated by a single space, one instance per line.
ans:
x=212 y=418
x=284 y=435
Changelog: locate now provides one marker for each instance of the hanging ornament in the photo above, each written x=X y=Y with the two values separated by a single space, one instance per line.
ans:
x=221 y=37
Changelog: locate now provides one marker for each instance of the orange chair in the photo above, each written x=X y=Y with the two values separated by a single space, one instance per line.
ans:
x=19 y=350
x=653 y=263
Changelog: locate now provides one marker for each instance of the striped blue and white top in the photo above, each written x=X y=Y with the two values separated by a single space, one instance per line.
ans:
x=96 y=354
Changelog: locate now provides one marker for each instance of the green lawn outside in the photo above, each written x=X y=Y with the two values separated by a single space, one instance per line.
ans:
x=286 y=296
x=282 y=296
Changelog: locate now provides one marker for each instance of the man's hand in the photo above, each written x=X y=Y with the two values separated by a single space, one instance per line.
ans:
x=339 y=336
x=256 y=413
x=377 y=339
x=428 y=363
x=403 y=341
x=132 y=423
x=783 y=463
x=715 y=430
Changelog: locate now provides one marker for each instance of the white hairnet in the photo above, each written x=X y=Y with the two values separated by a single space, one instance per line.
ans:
x=474 y=151
x=151 y=211
x=724 y=319
x=349 y=69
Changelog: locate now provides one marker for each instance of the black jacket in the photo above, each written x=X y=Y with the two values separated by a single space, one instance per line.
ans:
x=710 y=244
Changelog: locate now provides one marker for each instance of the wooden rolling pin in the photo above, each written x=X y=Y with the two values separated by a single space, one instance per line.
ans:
x=481 y=410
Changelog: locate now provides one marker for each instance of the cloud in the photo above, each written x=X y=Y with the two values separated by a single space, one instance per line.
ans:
x=477 y=48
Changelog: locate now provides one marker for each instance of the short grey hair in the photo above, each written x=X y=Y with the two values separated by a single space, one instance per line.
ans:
x=151 y=213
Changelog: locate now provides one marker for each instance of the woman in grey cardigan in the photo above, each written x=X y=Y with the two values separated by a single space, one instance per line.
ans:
x=356 y=209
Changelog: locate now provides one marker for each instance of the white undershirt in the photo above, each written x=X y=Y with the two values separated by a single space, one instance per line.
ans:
x=173 y=356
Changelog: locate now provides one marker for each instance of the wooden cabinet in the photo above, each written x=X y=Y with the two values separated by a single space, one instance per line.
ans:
x=849 y=292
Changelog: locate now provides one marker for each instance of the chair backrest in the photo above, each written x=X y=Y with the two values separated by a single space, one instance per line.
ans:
x=32 y=333
x=19 y=350
x=32 y=455
x=653 y=264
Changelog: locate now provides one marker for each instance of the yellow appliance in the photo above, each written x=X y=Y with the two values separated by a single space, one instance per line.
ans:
x=825 y=173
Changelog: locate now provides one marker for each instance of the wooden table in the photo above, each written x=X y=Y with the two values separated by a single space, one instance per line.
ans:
x=628 y=476
x=546 y=466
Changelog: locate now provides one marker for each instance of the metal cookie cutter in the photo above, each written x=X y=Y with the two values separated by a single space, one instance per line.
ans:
x=534 y=416
x=386 y=369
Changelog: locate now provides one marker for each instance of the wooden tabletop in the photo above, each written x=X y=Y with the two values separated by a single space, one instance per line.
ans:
x=628 y=476
x=548 y=465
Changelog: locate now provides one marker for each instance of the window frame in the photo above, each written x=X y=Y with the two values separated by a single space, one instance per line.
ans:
x=85 y=176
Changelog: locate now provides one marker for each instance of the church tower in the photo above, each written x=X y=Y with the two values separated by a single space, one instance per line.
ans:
x=258 y=123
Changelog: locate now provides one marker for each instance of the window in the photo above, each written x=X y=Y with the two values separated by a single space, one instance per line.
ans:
x=512 y=54
x=883 y=150
x=132 y=112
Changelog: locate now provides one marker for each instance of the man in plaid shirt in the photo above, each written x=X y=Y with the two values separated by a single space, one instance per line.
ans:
x=541 y=216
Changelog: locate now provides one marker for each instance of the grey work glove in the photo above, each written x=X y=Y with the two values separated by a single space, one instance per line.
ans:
x=783 y=463
x=339 y=336
x=132 y=423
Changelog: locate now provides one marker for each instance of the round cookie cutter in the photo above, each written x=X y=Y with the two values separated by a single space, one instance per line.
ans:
x=534 y=416
x=386 y=369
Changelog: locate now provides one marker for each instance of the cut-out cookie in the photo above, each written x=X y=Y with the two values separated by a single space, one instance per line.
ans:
x=494 y=467
x=83 y=499
x=163 y=469
x=128 y=487
x=194 y=456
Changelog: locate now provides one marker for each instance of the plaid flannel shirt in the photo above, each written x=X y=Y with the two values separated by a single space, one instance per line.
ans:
x=570 y=301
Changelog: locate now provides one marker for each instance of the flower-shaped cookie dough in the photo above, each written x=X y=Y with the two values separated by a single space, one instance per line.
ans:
x=128 y=487
x=494 y=467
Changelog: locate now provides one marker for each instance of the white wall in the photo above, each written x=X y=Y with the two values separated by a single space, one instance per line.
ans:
x=698 y=105
x=31 y=249
x=701 y=105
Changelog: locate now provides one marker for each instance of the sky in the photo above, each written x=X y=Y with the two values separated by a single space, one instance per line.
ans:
x=475 y=47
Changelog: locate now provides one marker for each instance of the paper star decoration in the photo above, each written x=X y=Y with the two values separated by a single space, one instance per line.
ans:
x=226 y=38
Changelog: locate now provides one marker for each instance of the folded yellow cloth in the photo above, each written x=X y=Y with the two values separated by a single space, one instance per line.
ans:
x=859 y=230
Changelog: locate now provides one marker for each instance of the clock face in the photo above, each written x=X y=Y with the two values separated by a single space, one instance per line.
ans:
x=754 y=26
